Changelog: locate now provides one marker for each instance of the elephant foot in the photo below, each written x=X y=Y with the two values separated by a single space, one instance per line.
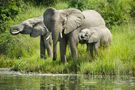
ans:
x=50 y=56
x=63 y=59
x=54 y=58
x=42 y=57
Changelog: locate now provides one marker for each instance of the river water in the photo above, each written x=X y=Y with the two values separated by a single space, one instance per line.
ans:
x=64 y=82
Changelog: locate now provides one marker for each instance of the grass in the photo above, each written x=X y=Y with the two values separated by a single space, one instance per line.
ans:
x=118 y=59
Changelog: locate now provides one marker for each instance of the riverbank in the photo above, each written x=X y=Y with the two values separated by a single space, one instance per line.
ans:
x=9 y=71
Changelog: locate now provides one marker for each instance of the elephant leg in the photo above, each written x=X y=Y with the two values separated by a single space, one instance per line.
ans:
x=63 y=44
x=48 y=47
x=42 y=48
x=96 y=48
x=92 y=50
x=88 y=48
x=73 y=48
x=73 y=42
x=54 y=51
x=49 y=51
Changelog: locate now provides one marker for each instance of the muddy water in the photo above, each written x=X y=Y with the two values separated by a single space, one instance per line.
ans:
x=18 y=81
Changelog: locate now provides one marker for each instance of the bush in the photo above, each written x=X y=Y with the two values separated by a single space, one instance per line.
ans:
x=115 y=12
x=8 y=10
x=132 y=11
x=45 y=2
x=77 y=4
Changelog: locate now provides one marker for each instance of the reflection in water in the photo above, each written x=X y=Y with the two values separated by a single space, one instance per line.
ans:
x=79 y=82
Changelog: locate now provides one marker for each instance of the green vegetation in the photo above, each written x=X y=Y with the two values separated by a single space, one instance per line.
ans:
x=21 y=52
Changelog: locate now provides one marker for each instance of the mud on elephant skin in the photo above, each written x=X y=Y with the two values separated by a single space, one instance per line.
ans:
x=95 y=37
x=65 y=24
x=35 y=27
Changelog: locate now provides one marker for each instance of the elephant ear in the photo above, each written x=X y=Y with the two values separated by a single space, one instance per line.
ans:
x=73 y=19
x=93 y=38
x=48 y=17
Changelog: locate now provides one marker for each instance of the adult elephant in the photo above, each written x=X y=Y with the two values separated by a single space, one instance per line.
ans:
x=35 y=27
x=65 y=26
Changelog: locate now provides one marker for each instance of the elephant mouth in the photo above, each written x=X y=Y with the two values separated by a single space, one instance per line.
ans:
x=83 y=41
x=33 y=35
x=82 y=37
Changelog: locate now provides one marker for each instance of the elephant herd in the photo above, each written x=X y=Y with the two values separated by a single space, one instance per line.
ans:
x=68 y=27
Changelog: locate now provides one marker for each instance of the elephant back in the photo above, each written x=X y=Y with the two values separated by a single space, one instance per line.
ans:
x=92 y=19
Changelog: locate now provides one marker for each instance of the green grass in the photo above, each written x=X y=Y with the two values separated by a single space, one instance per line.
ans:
x=118 y=59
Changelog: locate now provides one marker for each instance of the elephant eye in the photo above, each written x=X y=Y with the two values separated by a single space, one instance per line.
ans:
x=63 y=23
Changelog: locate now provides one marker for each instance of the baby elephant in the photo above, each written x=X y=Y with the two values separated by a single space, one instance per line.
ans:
x=95 y=37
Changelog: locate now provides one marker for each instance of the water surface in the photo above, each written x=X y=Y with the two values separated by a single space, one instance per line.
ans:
x=64 y=82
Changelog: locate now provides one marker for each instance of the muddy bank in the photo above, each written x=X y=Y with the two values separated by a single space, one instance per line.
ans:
x=9 y=71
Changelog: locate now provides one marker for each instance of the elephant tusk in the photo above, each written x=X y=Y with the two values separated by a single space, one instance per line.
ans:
x=46 y=29
x=61 y=35
x=48 y=37
x=14 y=33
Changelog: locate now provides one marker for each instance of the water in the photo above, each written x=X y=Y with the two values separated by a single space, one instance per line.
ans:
x=65 y=82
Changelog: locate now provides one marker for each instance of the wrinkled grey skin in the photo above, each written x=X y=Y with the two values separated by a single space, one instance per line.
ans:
x=35 y=27
x=95 y=37
x=65 y=26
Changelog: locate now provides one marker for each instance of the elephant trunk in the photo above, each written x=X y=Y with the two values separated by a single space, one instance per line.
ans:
x=56 y=35
x=16 y=29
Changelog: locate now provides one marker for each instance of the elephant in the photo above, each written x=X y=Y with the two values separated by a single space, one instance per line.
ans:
x=65 y=26
x=35 y=27
x=95 y=37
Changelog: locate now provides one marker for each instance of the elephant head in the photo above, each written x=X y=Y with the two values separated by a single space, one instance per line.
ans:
x=88 y=36
x=34 y=27
x=39 y=29
x=61 y=23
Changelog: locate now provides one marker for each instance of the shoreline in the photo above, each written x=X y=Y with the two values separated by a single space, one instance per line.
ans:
x=9 y=71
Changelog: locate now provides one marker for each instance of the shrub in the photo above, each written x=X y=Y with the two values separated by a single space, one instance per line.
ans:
x=45 y=2
x=77 y=4
x=132 y=11
x=8 y=10
x=115 y=12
